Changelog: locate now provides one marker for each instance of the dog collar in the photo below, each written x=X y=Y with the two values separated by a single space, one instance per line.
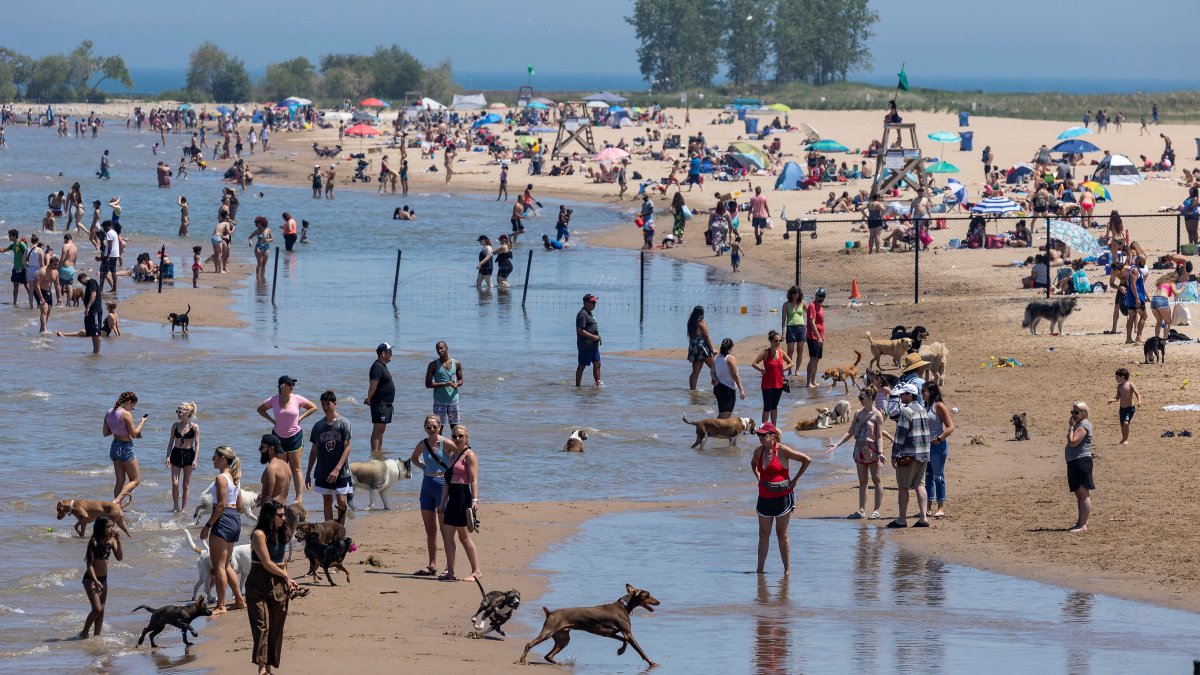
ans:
x=71 y=505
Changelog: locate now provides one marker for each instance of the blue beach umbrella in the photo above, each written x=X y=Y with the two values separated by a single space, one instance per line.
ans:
x=1074 y=132
x=956 y=193
x=1076 y=237
x=828 y=145
x=1073 y=145
x=995 y=206
x=945 y=137
x=224 y=110
x=538 y=105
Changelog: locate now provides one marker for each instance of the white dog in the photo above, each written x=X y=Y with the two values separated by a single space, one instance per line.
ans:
x=249 y=502
x=240 y=560
x=841 y=411
x=376 y=476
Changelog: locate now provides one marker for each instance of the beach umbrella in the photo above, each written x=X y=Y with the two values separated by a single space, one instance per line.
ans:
x=748 y=161
x=1076 y=237
x=224 y=110
x=296 y=100
x=1074 y=132
x=945 y=137
x=610 y=155
x=184 y=106
x=1098 y=190
x=995 y=206
x=752 y=150
x=956 y=193
x=1018 y=172
x=490 y=118
x=941 y=167
x=362 y=130
x=597 y=104
x=538 y=105
x=497 y=106
x=779 y=107
x=828 y=145
x=811 y=135
x=371 y=103
x=1074 y=145
x=606 y=97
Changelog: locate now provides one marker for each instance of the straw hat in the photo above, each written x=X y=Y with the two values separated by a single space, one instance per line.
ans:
x=913 y=361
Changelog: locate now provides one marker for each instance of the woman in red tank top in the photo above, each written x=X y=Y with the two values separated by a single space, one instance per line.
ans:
x=770 y=463
x=772 y=362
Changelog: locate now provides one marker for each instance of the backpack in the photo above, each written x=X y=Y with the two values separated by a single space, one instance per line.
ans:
x=1040 y=201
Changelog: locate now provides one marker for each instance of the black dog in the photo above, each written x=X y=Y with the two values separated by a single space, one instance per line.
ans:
x=1020 y=424
x=1055 y=311
x=495 y=609
x=326 y=555
x=180 y=320
x=917 y=335
x=1155 y=349
x=180 y=616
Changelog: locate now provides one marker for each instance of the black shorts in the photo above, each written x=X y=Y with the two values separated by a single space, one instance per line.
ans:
x=726 y=397
x=758 y=223
x=815 y=349
x=1125 y=414
x=1079 y=474
x=518 y=228
x=774 y=507
x=17 y=276
x=93 y=323
x=229 y=525
x=108 y=265
x=183 y=457
x=458 y=501
x=771 y=399
x=381 y=413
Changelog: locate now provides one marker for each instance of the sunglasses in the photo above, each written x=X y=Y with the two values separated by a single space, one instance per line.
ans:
x=280 y=514
x=433 y=428
x=459 y=436
x=179 y=411
x=1076 y=412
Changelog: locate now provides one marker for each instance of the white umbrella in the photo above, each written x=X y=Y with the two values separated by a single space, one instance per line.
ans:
x=995 y=206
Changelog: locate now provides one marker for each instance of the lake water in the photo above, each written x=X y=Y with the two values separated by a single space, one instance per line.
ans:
x=332 y=306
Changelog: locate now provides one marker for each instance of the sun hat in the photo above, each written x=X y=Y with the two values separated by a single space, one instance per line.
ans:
x=912 y=362
x=383 y=347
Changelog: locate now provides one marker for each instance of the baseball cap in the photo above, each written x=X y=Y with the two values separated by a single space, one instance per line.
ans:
x=906 y=388
x=271 y=440
x=286 y=379
x=589 y=297
x=767 y=428
x=383 y=347
x=820 y=292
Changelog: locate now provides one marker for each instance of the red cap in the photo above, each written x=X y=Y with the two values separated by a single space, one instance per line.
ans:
x=767 y=428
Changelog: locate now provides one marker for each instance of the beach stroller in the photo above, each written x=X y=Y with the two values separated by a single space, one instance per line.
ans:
x=360 y=171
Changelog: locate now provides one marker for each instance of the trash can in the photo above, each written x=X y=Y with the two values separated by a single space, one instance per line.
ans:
x=741 y=113
x=1198 y=148
x=751 y=125
x=964 y=118
x=967 y=142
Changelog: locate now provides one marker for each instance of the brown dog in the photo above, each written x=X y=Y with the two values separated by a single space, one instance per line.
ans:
x=74 y=296
x=844 y=374
x=88 y=510
x=329 y=531
x=892 y=348
x=611 y=620
x=728 y=429
x=821 y=421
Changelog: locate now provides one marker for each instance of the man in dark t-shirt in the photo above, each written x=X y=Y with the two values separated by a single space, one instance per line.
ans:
x=331 y=455
x=93 y=314
x=380 y=397
x=587 y=340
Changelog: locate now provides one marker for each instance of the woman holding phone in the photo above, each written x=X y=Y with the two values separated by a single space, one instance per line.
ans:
x=118 y=423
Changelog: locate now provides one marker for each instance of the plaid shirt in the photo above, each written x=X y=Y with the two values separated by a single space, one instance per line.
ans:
x=912 y=433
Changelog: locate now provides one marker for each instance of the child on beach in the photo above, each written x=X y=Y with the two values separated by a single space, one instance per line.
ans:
x=1128 y=398
x=735 y=253
x=196 y=265
x=304 y=231
x=112 y=322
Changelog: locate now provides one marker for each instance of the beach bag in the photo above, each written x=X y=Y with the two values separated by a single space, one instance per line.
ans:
x=687 y=213
x=1180 y=315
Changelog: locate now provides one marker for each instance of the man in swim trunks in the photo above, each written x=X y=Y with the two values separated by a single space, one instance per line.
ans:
x=380 y=396
x=45 y=282
x=276 y=478
x=587 y=340
x=66 y=269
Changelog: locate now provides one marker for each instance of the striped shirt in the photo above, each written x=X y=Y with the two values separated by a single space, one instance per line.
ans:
x=912 y=433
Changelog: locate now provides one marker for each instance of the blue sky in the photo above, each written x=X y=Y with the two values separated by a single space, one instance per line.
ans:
x=1017 y=38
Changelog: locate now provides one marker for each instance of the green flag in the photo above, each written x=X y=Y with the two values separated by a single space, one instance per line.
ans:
x=530 y=69
x=903 y=84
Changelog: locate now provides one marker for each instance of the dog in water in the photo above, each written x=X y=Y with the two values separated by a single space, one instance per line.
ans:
x=88 y=510
x=728 y=429
x=575 y=441
x=1054 y=311
x=841 y=412
x=179 y=616
x=495 y=610
x=1020 y=424
x=611 y=620
x=179 y=320
x=846 y=374
x=1155 y=350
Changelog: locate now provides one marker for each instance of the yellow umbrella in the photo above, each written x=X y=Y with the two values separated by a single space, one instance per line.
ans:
x=779 y=107
x=753 y=150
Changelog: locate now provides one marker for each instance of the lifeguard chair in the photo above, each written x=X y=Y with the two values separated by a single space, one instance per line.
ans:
x=898 y=163
x=574 y=125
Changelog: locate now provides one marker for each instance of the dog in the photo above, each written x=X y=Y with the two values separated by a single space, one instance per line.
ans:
x=239 y=559
x=1056 y=311
x=88 y=510
x=844 y=374
x=294 y=515
x=246 y=505
x=180 y=616
x=326 y=555
x=1155 y=350
x=727 y=428
x=179 y=320
x=936 y=354
x=841 y=412
x=376 y=476
x=893 y=348
x=1020 y=422
x=611 y=620
x=329 y=531
x=575 y=441
x=821 y=421
x=495 y=610
x=918 y=335
x=74 y=296
x=888 y=379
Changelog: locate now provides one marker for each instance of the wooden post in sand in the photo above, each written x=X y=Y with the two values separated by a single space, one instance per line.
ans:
x=642 y=288
x=162 y=252
x=275 y=275
x=525 y=288
x=396 y=279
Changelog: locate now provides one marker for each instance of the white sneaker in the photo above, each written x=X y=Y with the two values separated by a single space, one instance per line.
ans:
x=874 y=516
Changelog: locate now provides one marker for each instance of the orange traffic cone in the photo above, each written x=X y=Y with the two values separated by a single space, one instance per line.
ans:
x=854 y=289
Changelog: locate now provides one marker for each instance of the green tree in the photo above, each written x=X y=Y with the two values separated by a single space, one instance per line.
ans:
x=746 y=43
x=341 y=82
x=393 y=72
x=677 y=44
x=438 y=83
x=48 y=81
x=821 y=41
x=231 y=84
x=204 y=66
x=15 y=71
x=297 y=77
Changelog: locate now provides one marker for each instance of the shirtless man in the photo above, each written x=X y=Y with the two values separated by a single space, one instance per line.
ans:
x=48 y=222
x=45 y=282
x=66 y=269
x=277 y=475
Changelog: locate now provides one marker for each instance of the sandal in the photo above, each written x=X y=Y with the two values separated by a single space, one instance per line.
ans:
x=427 y=572
x=447 y=576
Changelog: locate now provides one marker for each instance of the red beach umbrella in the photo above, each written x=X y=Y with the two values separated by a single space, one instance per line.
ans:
x=361 y=130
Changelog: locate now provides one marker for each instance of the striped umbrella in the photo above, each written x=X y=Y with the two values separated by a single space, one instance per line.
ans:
x=956 y=193
x=995 y=206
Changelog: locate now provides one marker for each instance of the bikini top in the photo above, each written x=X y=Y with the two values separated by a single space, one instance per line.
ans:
x=191 y=433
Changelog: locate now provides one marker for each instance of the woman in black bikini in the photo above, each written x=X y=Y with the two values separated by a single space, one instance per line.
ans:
x=104 y=541
x=181 y=453
x=460 y=499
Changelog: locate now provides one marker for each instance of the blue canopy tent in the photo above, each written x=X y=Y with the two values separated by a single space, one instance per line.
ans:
x=490 y=118
x=791 y=177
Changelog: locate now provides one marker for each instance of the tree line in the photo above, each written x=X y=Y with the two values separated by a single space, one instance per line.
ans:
x=215 y=75
x=685 y=43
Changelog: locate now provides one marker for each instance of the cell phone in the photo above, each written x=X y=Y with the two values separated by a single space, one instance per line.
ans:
x=145 y=415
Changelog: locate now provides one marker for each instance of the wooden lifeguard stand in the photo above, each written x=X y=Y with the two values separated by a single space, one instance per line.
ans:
x=524 y=96
x=901 y=161
x=574 y=125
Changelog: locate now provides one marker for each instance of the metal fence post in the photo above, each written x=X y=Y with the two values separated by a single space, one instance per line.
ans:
x=642 y=289
x=1178 y=222
x=525 y=288
x=275 y=275
x=797 y=233
x=162 y=252
x=1049 y=259
x=917 y=264
x=396 y=279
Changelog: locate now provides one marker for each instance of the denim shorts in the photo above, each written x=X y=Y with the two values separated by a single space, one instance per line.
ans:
x=431 y=492
x=1160 y=302
x=121 y=451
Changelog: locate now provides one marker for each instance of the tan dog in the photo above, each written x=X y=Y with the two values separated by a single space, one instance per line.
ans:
x=844 y=374
x=74 y=296
x=821 y=421
x=575 y=441
x=728 y=428
x=893 y=348
x=936 y=354
x=88 y=510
